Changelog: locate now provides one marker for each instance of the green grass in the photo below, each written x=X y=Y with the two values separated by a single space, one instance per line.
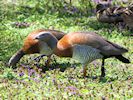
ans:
x=62 y=80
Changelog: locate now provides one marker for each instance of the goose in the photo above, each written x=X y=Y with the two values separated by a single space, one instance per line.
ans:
x=32 y=46
x=82 y=46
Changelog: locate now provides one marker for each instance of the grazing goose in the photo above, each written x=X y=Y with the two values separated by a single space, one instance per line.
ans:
x=31 y=46
x=82 y=46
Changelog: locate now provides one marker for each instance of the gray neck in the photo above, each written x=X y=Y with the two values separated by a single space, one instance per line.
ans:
x=52 y=42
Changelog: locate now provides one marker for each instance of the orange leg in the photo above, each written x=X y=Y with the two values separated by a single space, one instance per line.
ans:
x=48 y=61
x=84 y=70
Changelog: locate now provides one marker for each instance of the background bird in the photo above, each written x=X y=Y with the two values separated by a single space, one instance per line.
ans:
x=32 y=46
x=82 y=46
x=105 y=13
x=127 y=15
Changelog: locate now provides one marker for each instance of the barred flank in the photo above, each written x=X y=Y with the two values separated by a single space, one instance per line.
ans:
x=85 y=54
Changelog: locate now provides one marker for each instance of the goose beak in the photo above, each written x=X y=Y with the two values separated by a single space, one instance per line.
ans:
x=38 y=37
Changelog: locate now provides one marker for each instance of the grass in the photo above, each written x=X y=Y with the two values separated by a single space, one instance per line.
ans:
x=63 y=78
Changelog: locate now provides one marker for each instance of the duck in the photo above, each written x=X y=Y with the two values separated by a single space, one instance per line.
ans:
x=127 y=15
x=105 y=13
x=84 y=47
x=32 y=46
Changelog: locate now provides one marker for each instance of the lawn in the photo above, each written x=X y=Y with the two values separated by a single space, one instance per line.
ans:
x=63 y=79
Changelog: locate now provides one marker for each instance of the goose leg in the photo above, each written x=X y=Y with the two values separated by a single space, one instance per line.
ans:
x=48 y=61
x=84 y=70
x=54 y=59
x=102 y=68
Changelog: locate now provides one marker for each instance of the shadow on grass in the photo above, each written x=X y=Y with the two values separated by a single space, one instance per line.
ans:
x=61 y=66
x=97 y=25
x=99 y=78
x=107 y=79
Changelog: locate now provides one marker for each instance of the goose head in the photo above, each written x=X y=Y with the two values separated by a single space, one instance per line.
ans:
x=47 y=42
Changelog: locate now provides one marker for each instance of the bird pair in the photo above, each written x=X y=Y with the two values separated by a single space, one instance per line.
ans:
x=82 y=46
x=110 y=14
x=105 y=13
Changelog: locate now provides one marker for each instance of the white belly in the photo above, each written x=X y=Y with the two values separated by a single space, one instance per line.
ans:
x=85 y=54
